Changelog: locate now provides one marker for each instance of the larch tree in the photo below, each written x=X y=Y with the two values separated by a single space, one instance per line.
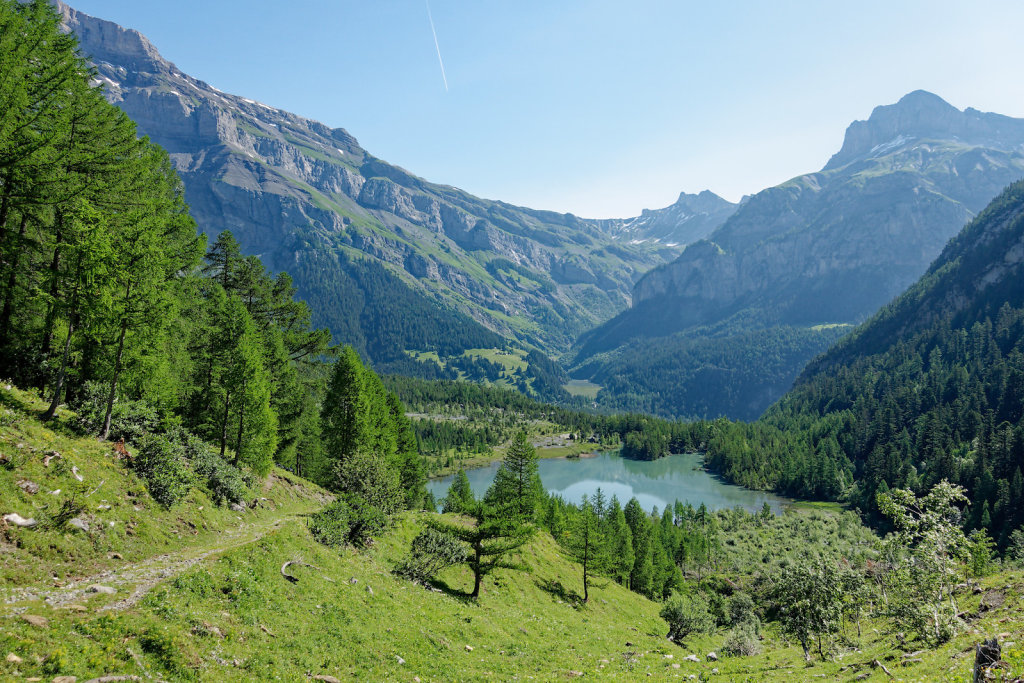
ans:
x=517 y=481
x=586 y=545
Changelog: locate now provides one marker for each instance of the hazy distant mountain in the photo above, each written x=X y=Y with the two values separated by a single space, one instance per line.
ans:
x=824 y=248
x=309 y=200
x=691 y=218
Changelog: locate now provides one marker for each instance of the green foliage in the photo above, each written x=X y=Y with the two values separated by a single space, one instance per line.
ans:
x=742 y=640
x=587 y=545
x=101 y=301
x=163 y=467
x=130 y=419
x=431 y=551
x=698 y=374
x=225 y=482
x=925 y=552
x=460 y=495
x=808 y=597
x=331 y=525
x=349 y=520
x=517 y=484
x=490 y=533
x=981 y=550
x=687 y=615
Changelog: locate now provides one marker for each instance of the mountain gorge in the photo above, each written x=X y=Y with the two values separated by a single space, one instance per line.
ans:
x=797 y=260
x=361 y=236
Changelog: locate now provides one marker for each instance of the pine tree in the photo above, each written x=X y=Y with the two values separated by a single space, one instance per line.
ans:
x=641 y=576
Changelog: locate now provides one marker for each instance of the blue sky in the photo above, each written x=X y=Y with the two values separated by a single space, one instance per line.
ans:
x=600 y=108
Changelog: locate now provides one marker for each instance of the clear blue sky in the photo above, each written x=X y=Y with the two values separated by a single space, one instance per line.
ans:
x=600 y=108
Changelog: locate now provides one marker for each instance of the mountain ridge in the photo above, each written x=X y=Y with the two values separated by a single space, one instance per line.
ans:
x=824 y=248
x=300 y=194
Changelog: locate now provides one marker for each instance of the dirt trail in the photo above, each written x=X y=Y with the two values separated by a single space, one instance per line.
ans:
x=132 y=581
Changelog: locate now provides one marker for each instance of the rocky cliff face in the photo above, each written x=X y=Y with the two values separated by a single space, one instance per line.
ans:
x=835 y=245
x=292 y=189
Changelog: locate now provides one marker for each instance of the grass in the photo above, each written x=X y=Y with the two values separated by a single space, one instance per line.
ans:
x=829 y=326
x=582 y=387
x=235 y=618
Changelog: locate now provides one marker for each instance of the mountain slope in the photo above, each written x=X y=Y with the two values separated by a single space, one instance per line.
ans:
x=301 y=195
x=931 y=388
x=828 y=247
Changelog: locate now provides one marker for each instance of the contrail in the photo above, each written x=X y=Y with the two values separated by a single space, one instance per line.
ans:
x=439 y=60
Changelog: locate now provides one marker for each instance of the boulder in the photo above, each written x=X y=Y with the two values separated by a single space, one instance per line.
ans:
x=17 y=520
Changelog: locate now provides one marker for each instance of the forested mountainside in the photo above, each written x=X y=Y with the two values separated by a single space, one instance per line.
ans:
x=310 y=201
x=824 y=248
x=931 y=388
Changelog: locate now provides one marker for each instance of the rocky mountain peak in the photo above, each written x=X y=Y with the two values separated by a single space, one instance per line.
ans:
x=105 y=41
x=921 y=115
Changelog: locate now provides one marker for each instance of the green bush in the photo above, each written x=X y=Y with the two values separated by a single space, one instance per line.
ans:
x=163 y=467
x=741 y=610
x=687 y=615
x=226 y=482
x=432 y=550
x=742 y=640
x=350 y=520
x=331 y=525
x=129 y=419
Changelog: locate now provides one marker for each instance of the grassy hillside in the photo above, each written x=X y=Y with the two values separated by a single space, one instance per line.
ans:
x=199 y=593
x=125 y=524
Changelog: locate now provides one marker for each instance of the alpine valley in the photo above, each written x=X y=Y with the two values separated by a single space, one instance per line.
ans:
x=427 y=280
x=784 y=438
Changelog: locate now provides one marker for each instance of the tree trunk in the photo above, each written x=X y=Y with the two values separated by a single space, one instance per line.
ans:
x=224 y=424
x=105 y=430
x=241 y=425
x=52 y=410
x=51 y=312
x=12 y=282
x=476 y=567
x=5 y=203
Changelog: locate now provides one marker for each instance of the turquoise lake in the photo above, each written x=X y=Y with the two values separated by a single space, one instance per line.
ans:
x=653 y=483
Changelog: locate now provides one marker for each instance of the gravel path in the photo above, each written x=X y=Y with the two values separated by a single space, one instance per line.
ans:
x=133 y=580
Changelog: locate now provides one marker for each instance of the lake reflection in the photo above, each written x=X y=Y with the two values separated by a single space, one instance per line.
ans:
x=652 y=483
